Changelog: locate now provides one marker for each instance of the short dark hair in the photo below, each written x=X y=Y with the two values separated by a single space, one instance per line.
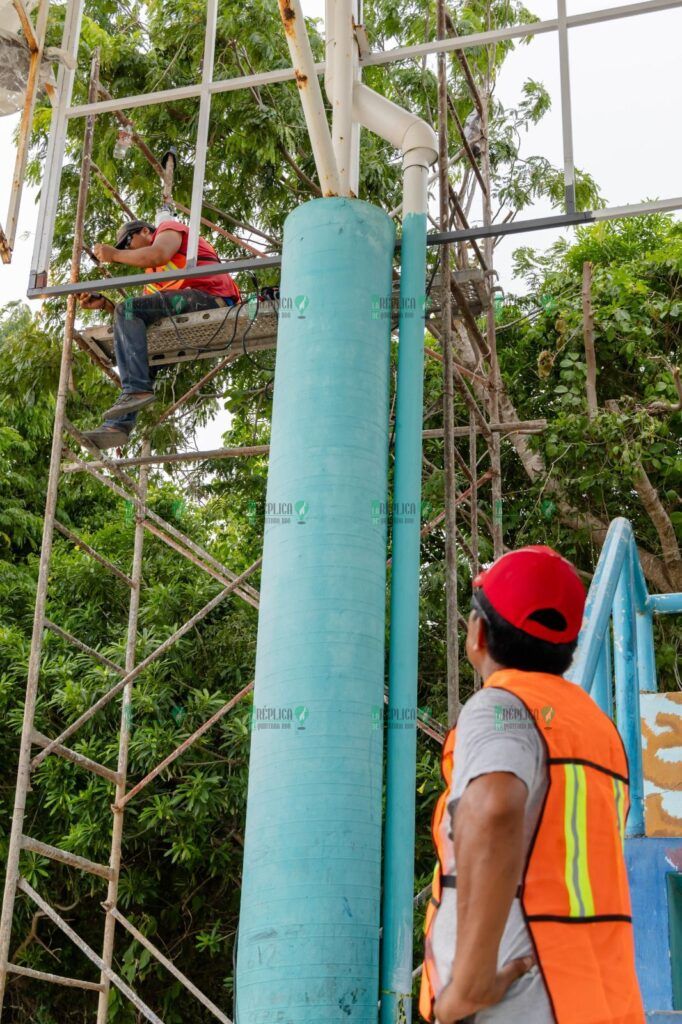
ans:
x=513 y=648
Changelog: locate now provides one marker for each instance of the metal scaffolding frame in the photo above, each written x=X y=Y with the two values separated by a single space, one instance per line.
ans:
x=35 y=40
x=208 y=87
x=478 y=386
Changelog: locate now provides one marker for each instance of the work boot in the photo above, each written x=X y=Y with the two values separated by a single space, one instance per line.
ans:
x=130 y=403
x=106 y=437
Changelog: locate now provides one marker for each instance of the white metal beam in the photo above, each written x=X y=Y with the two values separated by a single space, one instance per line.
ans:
x=478 y=39
x=26 y=122
x=52 y=171
x=202 y=132
x=566 y=114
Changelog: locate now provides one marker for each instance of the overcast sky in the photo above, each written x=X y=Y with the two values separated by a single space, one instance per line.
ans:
x=627 y=94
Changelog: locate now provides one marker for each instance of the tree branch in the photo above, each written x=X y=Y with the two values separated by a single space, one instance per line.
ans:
x=655 y=569
x=588 y=339
x=648 y=495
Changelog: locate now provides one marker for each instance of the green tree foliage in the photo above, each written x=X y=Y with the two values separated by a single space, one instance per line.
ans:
x=183 y=836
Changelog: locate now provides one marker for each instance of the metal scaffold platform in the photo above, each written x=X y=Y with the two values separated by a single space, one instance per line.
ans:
x=243 y=328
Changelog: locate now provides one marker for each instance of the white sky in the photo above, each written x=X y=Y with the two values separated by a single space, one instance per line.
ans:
x=627 y=94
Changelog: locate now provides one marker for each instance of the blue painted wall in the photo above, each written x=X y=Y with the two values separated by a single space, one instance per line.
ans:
x=309 y=925
x=648 y=861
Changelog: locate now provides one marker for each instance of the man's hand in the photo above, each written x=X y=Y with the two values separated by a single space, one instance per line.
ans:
x=88 y=301
x=106 y=253
x=452 y=1006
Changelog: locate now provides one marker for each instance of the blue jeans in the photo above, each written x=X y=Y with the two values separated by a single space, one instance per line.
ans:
x=132 y=318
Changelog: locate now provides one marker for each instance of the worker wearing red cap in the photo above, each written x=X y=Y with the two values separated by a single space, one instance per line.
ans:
x=145 y=247
x=529 y=921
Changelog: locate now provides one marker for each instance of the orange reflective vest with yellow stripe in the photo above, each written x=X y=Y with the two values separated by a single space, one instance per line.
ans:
x=221 y=285
x=177 y=263
x=574 y=889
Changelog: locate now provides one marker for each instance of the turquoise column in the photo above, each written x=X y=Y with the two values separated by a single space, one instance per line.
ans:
x=396 y=965
x=309 y=923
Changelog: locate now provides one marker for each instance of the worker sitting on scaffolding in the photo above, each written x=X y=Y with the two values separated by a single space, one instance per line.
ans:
x=140 y=244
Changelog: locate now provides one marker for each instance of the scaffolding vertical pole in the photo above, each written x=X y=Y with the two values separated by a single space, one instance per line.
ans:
x=202 y=132
x=124 y=743
x=473 y=506
x=494 y=375
x=451 y=616
x=566 y=113
x=52 y=171
x=24 y=770
x=26 y=124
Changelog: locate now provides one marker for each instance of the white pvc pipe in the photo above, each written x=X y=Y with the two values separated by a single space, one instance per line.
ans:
x=430 y=181
x=329 y=47
x=339 y=84
x=415 y=197
x=311 y=95
x=354 y=176
x=405 y=131
x=201 y=150
x=401 y=128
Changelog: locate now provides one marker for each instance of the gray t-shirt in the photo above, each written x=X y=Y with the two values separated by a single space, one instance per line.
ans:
x=496 y=734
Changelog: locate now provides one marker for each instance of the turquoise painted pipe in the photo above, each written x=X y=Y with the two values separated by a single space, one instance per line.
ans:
x=308 y=945
x=646 y=656
x=665 y=604
x=617 y=590
x=599 y=604
x=602 y=688
x=626 y=671
x=396 y=967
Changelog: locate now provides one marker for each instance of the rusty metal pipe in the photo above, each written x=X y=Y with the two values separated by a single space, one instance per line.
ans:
x=311 y=95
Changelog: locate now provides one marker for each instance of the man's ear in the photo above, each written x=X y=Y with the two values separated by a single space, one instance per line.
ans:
x=476 y=642
x=478 y=631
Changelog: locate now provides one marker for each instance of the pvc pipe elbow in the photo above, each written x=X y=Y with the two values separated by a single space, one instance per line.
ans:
x=380 y=115
x=420 y=145
x=404 y=130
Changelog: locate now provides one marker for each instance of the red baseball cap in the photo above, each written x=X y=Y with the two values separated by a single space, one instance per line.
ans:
x=532 y=580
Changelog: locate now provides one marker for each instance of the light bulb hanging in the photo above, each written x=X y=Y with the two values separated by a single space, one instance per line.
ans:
x=123 y=142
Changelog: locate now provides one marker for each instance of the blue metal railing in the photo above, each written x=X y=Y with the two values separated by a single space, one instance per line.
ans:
x=617 y=644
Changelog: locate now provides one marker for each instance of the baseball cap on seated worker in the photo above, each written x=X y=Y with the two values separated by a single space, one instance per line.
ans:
x=128 y=229
x=536 y=590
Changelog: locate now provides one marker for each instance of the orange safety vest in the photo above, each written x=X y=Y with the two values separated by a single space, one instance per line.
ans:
x=574 y=889
x=221 y=285
x=177 y=263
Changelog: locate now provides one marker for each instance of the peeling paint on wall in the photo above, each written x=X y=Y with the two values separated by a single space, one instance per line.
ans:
x=662 y=762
